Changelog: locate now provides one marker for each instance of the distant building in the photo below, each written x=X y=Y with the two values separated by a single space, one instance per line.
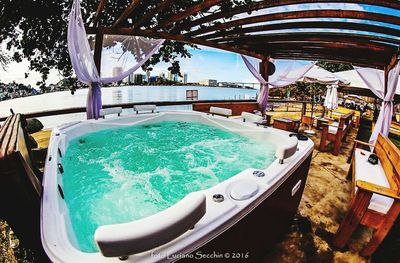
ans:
x=117 y=71
x=175 y=77
x=138 y=79
x=185 y=78
x=169 y=76
x=148 y=76
x=209 y=82
x=130 y=79
x=153 y=79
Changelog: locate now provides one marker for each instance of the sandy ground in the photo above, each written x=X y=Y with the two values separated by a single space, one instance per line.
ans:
x=323 y=206
x=325 y=201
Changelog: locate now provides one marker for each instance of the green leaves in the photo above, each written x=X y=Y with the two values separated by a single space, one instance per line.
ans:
x=37 y=30
x=334 y=67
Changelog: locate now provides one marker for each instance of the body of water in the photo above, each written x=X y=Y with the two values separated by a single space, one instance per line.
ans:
x=116 y=95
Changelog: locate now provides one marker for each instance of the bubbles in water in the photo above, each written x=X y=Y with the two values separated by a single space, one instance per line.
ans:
x=115 y=176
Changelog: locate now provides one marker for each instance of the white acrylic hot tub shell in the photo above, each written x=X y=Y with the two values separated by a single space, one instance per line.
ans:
x=57 y=236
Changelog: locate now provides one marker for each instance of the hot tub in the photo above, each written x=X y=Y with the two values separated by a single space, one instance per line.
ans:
x=239 y=215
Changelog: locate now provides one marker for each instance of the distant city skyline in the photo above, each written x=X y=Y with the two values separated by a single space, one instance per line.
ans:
x=206 y=63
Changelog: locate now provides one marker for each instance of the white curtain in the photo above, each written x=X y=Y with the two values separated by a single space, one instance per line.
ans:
x=132 y=53
x=375 y=80
x=331 y=98
x=281 y=78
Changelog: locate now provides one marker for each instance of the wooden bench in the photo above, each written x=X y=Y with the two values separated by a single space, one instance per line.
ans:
x=336 y=133
x=376 y=194
x=20 y=186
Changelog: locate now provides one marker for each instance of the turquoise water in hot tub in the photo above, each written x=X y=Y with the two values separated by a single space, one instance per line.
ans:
x=119 y=175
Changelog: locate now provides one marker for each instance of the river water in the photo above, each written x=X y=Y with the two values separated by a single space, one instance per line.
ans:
x=116 y=95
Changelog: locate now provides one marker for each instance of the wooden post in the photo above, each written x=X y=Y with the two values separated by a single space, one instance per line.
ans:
x=303 y=109
x=264 y=71
x=375 y=117
x=98 y=47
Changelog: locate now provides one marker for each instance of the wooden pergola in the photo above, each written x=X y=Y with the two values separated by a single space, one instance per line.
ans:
x=369 y=37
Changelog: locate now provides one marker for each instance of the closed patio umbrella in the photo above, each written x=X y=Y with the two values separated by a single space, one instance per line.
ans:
x=331 y=99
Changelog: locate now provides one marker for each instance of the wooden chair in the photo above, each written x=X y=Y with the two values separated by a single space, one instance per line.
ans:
x=336 y=133
x=376 y=194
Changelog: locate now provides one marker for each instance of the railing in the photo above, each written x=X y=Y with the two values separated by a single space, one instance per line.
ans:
x=289 y=106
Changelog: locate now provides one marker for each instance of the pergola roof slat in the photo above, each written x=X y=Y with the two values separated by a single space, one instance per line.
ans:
x=312 y=37
x=306 y=24
x=332 y=45
x=127 y=12
x=146 y=17
x=275 y=3
x=191 y=11
x=100 y=8
x=326 y=13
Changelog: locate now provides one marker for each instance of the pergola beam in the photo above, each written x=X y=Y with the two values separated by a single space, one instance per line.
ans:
x=322 y=46
x=393 y=61
x=176 y=37
x=275 y=3
x=307 y=24
x=364 y=62
x=127 y=12
x=100 y=9
x=326 y=13
x=148 y=16
x=188 y=12
x=310 y=37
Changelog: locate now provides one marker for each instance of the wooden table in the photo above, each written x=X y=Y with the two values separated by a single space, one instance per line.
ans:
x=321 y=121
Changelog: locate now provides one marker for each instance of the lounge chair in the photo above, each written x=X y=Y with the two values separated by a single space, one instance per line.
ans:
x=146 y=108
x=109 y=111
